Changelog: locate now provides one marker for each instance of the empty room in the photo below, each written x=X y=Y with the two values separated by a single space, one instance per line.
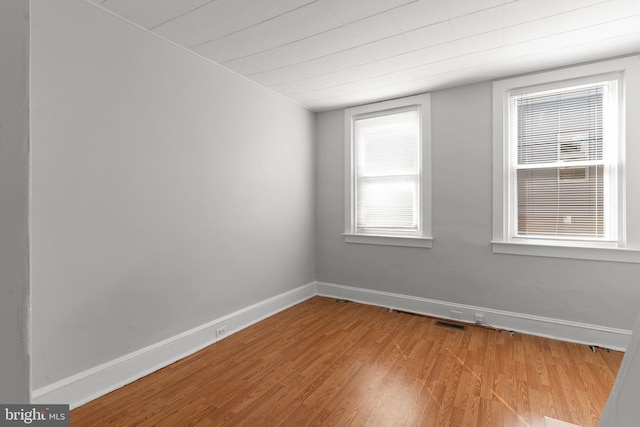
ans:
x=320 y=212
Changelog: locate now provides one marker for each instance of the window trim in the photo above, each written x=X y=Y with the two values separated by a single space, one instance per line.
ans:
x=424 y=239
x=609 y=162
x=628 y=245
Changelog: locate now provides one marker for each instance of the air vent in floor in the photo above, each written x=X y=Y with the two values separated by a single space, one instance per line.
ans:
x=451 y=325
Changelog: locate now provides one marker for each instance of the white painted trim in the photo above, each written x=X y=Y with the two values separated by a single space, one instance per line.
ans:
x=425 y=212
x=628 y=187
x=370 y=239
x=572 y=252
x=565 y=330
x=88 y=385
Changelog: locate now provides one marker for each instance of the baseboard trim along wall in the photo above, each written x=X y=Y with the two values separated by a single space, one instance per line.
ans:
x=600 y=336
x=88 y=385
x=100 y=380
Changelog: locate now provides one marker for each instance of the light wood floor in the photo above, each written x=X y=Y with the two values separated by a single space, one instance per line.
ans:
x=324 y=362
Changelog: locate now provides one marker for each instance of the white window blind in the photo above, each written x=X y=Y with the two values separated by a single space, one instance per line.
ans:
x=387 y=172
x=563 y=149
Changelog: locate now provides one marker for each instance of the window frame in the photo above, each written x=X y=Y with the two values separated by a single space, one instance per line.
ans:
x=422 y=238
x=611 y=158
x=628 y=242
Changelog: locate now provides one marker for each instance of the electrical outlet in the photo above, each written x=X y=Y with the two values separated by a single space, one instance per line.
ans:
x=479 y=318
x=456 y=314
x=221 y=331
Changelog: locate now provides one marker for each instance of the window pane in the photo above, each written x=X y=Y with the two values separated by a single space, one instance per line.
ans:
x=561 y=202
x=387 y=145
x=389 y=203
x=388 y=172
x=564 y=179
x=564 y=126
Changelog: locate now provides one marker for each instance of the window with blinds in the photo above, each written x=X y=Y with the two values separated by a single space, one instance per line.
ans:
x=563 y=150
x=387 y=172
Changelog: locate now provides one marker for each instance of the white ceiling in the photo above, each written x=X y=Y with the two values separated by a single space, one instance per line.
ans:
x=327 y=54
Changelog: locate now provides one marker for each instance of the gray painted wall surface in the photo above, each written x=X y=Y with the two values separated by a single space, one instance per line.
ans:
x=14 y=201
x=461 y=268
x=166 y=191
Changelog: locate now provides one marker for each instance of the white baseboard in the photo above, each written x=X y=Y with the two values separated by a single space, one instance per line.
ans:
x=95 y=382
x=612 y=338
x=100 y=380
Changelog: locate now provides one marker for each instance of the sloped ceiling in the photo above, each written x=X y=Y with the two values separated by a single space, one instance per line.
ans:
x=327 y=54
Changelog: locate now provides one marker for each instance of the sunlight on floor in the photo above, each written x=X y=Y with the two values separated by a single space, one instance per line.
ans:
x=552 y=422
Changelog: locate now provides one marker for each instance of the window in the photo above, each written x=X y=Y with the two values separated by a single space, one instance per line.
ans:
x=387 y=177
x=563 y=172
x=559 y=163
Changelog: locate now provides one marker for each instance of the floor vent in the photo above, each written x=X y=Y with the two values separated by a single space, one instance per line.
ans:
x=451 y=325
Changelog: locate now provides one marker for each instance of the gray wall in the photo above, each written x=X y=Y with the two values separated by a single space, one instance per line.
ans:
x=166 y=191
x=14 y=201
x=461 y=268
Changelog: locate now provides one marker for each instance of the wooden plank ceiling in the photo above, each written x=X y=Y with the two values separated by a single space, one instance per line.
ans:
x=327 y=54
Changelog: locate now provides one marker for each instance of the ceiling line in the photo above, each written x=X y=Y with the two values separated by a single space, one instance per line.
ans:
x=193 y=54
x=427 y=47
x=320 y=33
x=253 y=25
x=385 y=74
x=371 y=62
x=357 y=47
x=375 y=41
x=368 y=78
x=153 y=27
x=430 y=63
x=423 y=64
x=383 y=86
x=428 y=77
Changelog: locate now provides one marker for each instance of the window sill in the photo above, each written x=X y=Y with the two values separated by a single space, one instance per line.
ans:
x=370 y=239
x=566 y=251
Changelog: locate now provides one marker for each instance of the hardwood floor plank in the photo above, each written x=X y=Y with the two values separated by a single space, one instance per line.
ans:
x=326 y=362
